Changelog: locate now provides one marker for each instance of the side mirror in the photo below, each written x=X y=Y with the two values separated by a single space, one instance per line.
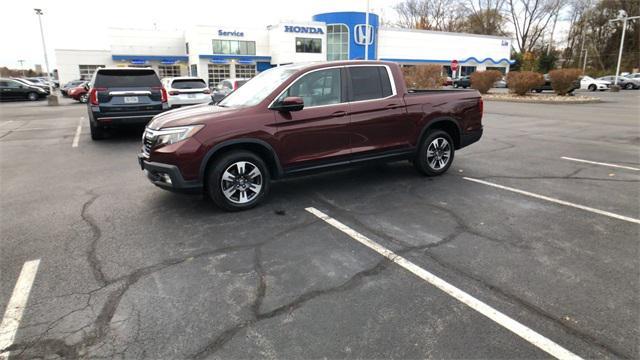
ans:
x=291 y=103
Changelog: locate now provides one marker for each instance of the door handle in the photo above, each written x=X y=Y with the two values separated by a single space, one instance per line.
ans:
x=339 y=114
x=392 y=106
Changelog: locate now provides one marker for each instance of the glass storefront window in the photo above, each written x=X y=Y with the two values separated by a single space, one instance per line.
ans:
x=337 y=42
x=308 y=45
x=234 y=47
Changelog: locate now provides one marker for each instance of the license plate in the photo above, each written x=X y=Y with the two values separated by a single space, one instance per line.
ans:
x=191 y=96
x=130 y=99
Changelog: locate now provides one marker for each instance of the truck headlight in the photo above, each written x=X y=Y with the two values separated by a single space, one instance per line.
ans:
x=173 y=135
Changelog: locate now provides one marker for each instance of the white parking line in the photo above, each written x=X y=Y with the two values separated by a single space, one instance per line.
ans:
x=557 y=201
x=501 y=319
x=16 y=306
x=78 y=131
x=601 y=163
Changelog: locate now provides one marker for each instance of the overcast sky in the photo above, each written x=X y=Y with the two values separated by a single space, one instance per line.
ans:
x=82 y=25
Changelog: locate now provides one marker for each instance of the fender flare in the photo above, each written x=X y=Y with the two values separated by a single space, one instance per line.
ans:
x=221 y=146
x=439 y=120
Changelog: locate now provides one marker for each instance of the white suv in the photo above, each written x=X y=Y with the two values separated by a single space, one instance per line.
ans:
x=185 y=91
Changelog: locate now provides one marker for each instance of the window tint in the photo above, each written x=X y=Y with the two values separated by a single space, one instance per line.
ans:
x=369 y=82
x=188 y=84
x=308 y=45
x=317 y=88
x=127 y=78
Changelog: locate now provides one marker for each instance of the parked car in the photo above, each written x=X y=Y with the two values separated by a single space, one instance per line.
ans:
x=303 y=117
x=70 y=85
x=123 y=96
x=624 y=82
x=591 y=84
x=80 y=92
x=463 y=82
x=11 y=89
x=633 y=76
x=186 y=91
x=547 y=85
x=31 y=83
x=502 y=83
x=447 y=81
x=226 y=87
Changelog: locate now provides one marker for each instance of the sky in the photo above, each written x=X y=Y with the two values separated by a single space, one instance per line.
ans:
x=80 y=25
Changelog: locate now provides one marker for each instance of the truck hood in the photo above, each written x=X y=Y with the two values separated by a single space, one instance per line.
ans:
x=198 y=114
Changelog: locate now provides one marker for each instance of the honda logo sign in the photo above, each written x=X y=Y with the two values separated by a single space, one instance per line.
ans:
x=363 y=34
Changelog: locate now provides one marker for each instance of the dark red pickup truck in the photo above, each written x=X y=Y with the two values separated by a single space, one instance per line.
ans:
x=296 y=118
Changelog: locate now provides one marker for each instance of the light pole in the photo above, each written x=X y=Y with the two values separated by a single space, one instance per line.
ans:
x=53 y=99
x=21 y=62
x=366 y=31
x=584 y=65
x=622 y=16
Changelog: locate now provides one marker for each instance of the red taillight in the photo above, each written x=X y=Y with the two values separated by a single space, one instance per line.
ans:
x=93 y=95
x=206 y=91
x=163 y=93
x=235 y=85
x=174 y=92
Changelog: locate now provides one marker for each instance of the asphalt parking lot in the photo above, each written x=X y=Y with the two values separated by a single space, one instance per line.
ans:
x=127 y=270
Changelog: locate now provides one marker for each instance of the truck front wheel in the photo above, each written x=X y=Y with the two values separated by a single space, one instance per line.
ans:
x=435 y=154
x=238 y=180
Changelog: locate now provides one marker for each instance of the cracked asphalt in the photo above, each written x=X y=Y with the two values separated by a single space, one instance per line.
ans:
x=131 y=271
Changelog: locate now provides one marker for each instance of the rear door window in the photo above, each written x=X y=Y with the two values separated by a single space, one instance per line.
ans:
x=127 y=78
x=188 y=84
x=369 y=82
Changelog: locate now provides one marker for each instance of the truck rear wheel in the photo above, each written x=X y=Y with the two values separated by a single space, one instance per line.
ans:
x=435 y=153
x=238 y=180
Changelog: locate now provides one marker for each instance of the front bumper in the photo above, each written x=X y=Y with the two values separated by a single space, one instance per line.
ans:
x=167 y=176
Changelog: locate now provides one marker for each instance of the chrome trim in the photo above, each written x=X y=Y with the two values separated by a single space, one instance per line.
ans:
x=394 y=92
x=124 y=117
x=126 y=92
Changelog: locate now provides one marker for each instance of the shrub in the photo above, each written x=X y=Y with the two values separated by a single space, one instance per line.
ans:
x=483 y=80
x=423 y=76
x=562 y=80
x=521 y=82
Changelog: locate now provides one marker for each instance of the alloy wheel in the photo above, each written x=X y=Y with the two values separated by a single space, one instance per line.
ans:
x=438 y=153
x=241 y=182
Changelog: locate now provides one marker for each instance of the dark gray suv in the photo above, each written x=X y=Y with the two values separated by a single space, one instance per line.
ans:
x=124 y=96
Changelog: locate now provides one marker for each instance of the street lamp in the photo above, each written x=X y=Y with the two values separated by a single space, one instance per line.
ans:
x=53 y=99
x=622 y=16
x=22 y=66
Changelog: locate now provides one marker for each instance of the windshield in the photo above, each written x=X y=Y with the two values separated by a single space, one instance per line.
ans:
x=258 y=88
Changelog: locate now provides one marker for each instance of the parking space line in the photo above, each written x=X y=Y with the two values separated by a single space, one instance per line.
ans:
x=76 y=138
x=501 y=319
x=557 y=201
x=17 y=303
x=600 y=163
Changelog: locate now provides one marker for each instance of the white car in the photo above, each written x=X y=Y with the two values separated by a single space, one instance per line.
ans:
x=591 y=84
x=184 y=91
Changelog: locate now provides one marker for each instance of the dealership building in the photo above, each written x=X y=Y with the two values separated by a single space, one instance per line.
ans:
x=218 y=52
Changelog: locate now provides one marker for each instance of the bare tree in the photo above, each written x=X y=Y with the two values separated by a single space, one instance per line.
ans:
x=530 y=19
x=485 y=17
x=438 y=15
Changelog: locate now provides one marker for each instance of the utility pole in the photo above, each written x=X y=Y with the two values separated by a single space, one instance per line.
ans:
x=366 y=32
x=622 y=16
x=53 y=99
x=21 y=62
x=584 y=65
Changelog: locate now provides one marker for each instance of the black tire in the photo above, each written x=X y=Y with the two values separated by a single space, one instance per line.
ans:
x=464 y=86
x=84 y=98
x=424 y=163
x=226 y=163
x=592 y=87
x=32 y=96
x=628 y=86
x=97 y=133
x=538 y=90
x=455 y=85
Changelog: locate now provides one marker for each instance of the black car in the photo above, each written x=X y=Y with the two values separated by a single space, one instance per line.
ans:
x=547 y=85
x=31 y=83
x=462 y=82
x=10 y=89
x=123 y=96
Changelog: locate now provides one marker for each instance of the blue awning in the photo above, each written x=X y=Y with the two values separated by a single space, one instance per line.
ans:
x=165 y=59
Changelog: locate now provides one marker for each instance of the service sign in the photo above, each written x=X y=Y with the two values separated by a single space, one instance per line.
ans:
x=230 y=33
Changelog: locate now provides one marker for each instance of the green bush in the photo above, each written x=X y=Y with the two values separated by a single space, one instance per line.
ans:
x=484 y=80
x=562 y=80
x=521 y=82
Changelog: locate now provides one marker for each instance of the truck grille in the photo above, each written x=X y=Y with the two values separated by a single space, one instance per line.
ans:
x=148 y=141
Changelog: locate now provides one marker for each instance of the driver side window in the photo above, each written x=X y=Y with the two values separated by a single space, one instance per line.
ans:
x=317 y=88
